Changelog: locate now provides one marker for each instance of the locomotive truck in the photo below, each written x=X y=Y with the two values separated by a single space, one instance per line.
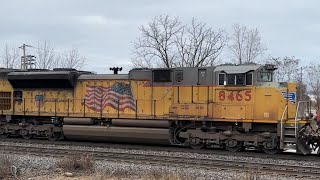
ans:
x=230 y=106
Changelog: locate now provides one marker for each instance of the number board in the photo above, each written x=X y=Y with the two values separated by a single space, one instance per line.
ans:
x=234 y=95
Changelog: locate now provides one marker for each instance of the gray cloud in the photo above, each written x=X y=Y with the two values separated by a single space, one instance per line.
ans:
x=103 y=30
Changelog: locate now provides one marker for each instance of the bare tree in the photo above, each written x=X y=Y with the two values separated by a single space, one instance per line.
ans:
x=156 y=44
x=165 y=42
x=45 y=55
x=72 y=59
x=10 y=57
x=287 y=68
x=199 y=45
x=314 y=83
x=246 y=45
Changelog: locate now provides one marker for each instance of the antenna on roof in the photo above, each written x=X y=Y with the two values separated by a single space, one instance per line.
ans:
x=116 y=69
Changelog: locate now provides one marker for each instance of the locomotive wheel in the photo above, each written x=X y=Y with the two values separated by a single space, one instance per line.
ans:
x=234 y=145
x=269 y=148
x=270 y=151
x=25 y=134
x=54 y=136
x=3 y=134
x=197 y=146
x=28 y=136
x=196 y=143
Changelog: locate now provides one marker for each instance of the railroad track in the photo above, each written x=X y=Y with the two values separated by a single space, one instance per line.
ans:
x=166 y=148
x=174 y=161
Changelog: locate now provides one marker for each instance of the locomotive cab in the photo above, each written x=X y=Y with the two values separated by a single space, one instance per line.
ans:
x=244 y=75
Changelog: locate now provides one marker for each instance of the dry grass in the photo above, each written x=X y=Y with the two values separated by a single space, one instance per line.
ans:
x=119 y=174
x=77 y=163
x=6 y=164
x=252 y=176
x=160 y=175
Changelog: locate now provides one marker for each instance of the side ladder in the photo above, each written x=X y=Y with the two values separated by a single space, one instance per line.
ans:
x=289 y=131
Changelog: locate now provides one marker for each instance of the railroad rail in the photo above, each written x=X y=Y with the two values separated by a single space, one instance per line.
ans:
x=166 y=148
x=311 y=172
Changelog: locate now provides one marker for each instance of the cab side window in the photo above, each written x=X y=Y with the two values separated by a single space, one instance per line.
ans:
x=235 y=79
x=231 y=79
x=249 y=78
x=221 y=79
x=265 y=76
x=239 y=79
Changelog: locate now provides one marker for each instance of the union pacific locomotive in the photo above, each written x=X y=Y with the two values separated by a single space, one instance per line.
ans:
x=230 y=106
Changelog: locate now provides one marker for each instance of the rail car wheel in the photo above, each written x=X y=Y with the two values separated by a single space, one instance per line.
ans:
x=3 y=133
x=233 y=145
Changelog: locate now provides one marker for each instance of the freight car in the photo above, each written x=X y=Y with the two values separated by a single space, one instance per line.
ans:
x=231 y=106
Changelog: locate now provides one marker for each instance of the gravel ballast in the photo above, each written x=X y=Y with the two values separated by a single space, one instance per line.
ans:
x=35 y=166
x=176 y=154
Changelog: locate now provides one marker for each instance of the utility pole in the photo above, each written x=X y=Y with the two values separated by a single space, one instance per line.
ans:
x=24 y=59
x=301 y=88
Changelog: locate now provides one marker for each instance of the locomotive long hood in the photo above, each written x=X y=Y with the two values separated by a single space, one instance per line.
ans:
x=47 y=79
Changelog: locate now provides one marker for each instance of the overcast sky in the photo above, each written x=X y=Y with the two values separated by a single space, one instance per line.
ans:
x=103 y=31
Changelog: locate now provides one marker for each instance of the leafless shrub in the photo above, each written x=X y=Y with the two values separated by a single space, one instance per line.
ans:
x=77 y=163
x=6 y=164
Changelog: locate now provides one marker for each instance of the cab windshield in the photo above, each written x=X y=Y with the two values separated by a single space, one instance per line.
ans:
x=265 y=76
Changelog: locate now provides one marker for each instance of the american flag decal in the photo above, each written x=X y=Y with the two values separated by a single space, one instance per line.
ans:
x=98 y=97
x=38 y=101
x=291 y=96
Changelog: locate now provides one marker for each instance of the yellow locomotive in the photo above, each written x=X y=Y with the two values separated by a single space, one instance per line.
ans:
x=232 y=106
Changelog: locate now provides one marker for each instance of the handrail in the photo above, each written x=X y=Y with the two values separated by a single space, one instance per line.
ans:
x=281 y=126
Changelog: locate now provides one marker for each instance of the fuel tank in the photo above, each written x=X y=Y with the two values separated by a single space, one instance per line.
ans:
x=140 y=123
x=78 y=121
x=117 y=134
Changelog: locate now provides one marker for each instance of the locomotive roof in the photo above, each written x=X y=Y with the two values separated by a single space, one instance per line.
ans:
x=43 y=79
x=237 y=69
x=103 y=76
x=5 y=71
x=39 y=72
x=227 y=68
